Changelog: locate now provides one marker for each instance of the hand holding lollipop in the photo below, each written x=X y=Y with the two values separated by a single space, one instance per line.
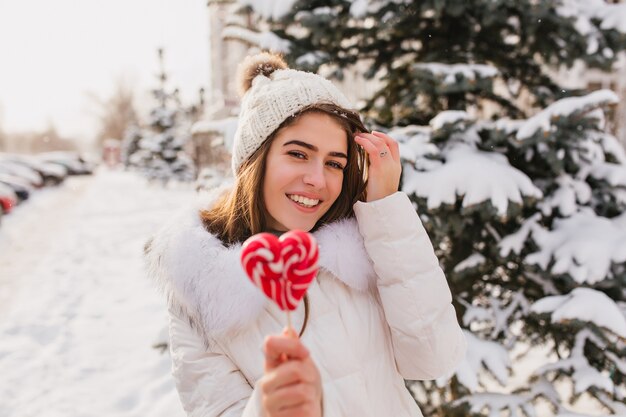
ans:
x=283 y=269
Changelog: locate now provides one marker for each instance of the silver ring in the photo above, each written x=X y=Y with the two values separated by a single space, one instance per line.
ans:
x=382 y=154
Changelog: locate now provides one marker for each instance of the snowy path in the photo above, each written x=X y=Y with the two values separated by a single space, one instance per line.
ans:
x=78 y=317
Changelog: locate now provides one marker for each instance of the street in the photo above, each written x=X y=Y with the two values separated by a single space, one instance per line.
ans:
x=78 y=316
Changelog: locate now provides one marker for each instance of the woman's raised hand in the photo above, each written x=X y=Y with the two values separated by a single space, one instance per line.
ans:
x=291 y=386
x=384 y=168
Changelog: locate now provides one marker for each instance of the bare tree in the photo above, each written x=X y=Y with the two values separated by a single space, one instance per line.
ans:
x=115 y=113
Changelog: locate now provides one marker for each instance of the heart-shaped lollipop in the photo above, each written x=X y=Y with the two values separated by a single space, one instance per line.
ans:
x=281 y=267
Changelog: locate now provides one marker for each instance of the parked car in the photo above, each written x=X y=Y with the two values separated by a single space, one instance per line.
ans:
x=21 y=171
x=20 y=187
x=51 y=173
x=72 y=161
x=8 y=199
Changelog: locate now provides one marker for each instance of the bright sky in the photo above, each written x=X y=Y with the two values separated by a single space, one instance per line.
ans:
x=53 y=52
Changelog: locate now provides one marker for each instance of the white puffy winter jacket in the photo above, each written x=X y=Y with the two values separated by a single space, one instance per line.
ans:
x=380 y=312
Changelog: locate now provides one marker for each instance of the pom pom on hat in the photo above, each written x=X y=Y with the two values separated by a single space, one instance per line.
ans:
x=272 y=93
x=254 y=65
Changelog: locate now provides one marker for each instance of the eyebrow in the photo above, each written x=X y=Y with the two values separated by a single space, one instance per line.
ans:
x=314 y=148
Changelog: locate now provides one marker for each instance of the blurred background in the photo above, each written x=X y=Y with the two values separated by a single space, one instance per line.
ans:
x=511 y=119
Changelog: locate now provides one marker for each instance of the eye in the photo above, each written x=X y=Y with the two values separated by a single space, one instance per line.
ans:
x=297 y=154
x=336 y=165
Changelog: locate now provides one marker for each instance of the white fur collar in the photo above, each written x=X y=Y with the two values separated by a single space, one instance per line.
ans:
x=204 y=281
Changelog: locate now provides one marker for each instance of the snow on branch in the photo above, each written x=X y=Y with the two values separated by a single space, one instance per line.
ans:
x=566 y=198
x=617 y=407
x=312 y=59
x=496 y=403
x=470 y=262
x=361 y=8
x=611 y=16
x=508 y=126
x=541 y=387
x=264 y=40
x=583 y=304
x=611 y=145
x=613 y=174
x=450 y=73
x=499 y=313
x=515 y=241
x=414 y=143
x=474 y=175
x=584 y=375
x=449 y=117
x=583 y=246
x=570 y=106
x=481 y=354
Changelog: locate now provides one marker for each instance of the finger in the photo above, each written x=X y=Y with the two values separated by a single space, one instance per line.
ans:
x=286 y=374
x=293 y=395
x=277 y=347
x=370 y=148
x=380 y=144
x=275 y=409
x=391 y=143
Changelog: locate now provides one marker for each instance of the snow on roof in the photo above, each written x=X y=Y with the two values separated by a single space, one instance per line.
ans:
x=449 y=72
x=583 y=246
x=565 y=107
x=225 y=127
x=264 y=39
x=474 y=175
x=584 y=304
x=448 y=117
x=270 y=9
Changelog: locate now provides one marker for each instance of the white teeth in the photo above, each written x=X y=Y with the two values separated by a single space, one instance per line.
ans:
x=308 y=202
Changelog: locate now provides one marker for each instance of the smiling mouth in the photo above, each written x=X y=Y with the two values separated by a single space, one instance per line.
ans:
x=303 y=201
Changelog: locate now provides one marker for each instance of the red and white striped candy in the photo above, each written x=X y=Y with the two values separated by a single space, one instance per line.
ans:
x=282 y=268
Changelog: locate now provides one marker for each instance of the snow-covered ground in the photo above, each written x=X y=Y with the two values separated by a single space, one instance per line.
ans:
x=78 y=316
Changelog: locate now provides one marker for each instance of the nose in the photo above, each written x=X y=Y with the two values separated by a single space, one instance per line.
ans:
x=314 y=176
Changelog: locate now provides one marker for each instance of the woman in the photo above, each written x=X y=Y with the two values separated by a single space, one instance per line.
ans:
x=379 y=310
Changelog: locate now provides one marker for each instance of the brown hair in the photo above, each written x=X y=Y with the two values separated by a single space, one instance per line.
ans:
x=241 y=212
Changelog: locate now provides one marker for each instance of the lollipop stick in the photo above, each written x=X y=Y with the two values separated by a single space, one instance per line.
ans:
x=289 y=320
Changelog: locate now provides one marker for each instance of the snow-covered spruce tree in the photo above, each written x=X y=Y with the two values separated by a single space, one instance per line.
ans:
x=518 y=211
x=158 y=152
x=130 y=143
x=520 y=188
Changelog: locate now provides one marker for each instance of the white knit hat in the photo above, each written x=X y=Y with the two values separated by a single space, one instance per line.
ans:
x=273 y=98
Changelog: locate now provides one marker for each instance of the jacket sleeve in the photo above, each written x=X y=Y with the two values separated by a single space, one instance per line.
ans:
x=208 y=382
x=427 y=339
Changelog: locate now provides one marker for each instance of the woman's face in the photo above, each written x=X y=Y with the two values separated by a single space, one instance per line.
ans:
x=304 y=172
